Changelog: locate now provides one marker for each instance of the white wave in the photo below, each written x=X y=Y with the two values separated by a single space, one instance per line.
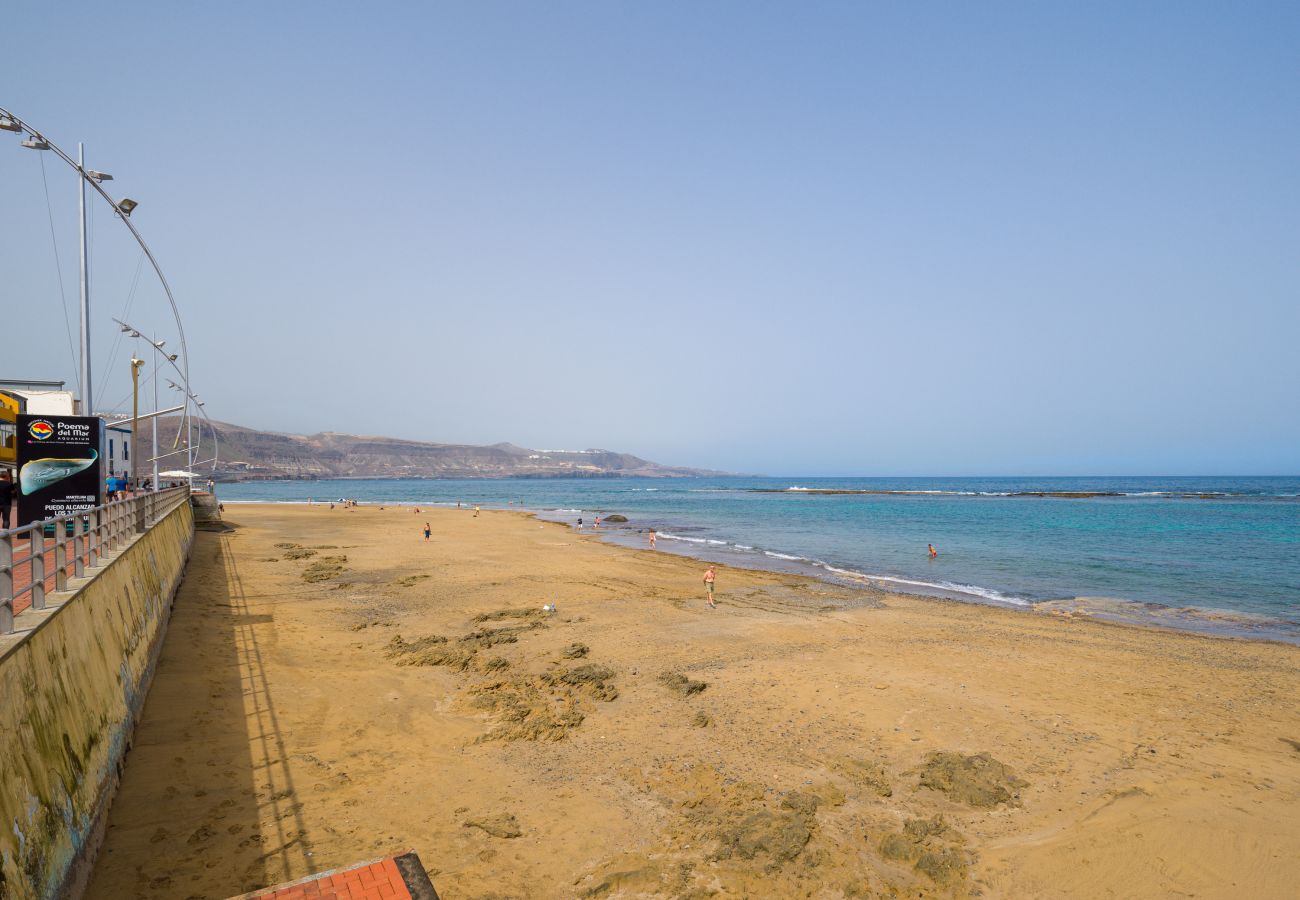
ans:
x=678 y=537
x=775 y=555
x=712 y=541
x=742 y=546
x=797 y=488
x=971 y=589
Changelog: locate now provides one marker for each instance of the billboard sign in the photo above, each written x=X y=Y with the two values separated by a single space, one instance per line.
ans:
x=58 y=466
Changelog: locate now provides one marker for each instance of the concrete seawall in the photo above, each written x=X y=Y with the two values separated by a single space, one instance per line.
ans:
x=71 y=689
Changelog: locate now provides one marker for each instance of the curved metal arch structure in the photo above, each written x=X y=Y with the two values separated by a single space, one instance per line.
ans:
x=124 y=215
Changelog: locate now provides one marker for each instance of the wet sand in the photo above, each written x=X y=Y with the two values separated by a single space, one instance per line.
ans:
x=366 y=691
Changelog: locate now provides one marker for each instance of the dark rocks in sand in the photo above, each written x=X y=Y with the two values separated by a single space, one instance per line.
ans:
x=496 y=664
x=514 y=613
x=432 y=650
x=931 y=845
x=978 y=780
x=525 y=713
x=502 y=825
x=676 y=681
x=646 y=879
x=592 y=678
x=484 y=638
x=920 y=829
x=866 y=773
x=410 y=580
x=701 y=720
x=299 y=553
x=616 y=517
x=896 y=846
x=324 y=569
x=575 y=651
x=780 y=836
x=399 y=647
x=801 y=803
x=287 y=546
x=945 y=865
x=1295 y=745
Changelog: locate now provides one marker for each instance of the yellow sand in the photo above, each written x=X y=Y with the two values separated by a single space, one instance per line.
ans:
x=282 y=738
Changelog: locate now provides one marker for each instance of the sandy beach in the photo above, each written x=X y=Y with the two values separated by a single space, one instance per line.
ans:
x=333 y=687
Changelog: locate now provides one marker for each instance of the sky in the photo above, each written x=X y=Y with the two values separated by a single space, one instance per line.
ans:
x=815 y=239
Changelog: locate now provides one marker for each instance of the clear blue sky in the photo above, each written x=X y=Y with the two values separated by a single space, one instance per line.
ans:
x=785 y=238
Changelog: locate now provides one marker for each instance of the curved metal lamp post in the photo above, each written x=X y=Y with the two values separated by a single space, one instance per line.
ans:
x=38 y=141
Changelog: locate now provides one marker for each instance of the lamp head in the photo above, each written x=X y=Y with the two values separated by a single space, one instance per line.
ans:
x=126 y=205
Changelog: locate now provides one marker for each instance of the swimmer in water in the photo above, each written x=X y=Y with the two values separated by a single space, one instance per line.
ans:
x=933 y=552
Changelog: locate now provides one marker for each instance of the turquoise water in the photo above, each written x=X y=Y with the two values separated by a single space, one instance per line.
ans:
x=1217 y=554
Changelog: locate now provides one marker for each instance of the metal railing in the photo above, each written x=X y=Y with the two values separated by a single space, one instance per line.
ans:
x=41 y=556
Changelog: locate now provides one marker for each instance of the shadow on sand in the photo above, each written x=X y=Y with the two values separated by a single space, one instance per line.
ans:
x=207 y=805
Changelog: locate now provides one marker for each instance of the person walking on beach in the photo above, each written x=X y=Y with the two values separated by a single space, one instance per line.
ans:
x=652 y=538
x=933 y=552
x=476 y=510
x=710 y=575
x=427 y=531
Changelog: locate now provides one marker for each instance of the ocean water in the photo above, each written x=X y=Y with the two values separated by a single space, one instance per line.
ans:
x=1210 y=554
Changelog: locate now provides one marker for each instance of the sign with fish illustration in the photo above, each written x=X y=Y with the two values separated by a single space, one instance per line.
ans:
x=58 y=465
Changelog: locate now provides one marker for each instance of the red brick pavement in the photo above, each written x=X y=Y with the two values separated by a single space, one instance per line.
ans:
x=392 y=878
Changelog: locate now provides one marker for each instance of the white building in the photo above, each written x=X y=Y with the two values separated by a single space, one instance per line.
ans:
x=117 y=451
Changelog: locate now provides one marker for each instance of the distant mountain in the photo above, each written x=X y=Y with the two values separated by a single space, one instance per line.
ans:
x=247 y=454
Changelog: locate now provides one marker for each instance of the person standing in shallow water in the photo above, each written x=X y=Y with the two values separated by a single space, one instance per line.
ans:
x=710 y=575
x=652 y=538
x=933 y=552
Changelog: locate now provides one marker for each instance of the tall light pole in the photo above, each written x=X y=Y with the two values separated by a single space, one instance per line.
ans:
x=135 y=416
x=88 y=404
x=191 y=400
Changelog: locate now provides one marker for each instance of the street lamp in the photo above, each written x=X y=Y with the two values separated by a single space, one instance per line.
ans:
x=135 y=415
x=37 y=141
x=186 y=419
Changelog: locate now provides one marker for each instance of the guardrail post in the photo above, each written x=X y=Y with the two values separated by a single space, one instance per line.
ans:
x=80 y=526
x=38 y=566
x=141 y=521
x=61 y=554
x=92 y=539
x=7 y=584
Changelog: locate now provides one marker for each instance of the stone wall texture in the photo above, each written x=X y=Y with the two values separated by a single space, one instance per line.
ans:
x=70 y=694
